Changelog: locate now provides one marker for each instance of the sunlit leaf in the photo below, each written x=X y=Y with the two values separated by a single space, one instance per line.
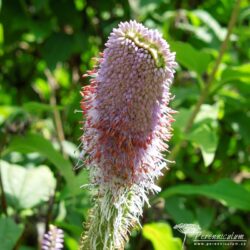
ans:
x=200 y=32
x=212 y=23
x=6 y=111
x=204 y=132
x=207 y=113
x=241 y=72
x=206 y=138
x=42 y=88
x=161 y=236
x=71 y=243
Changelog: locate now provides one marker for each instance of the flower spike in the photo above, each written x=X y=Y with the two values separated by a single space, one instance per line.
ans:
x=127 y=127
x=53 y=239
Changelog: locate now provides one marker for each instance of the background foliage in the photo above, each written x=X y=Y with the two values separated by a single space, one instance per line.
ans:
x=46 y=45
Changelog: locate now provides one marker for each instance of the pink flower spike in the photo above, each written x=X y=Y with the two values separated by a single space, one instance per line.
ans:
x=127 y=127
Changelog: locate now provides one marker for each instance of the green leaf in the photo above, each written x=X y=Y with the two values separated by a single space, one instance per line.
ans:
x=62 y=77
x=184 y=94
x=191 y=58
x=240 y=123
x=26 y=188
x=200 y=32
x=71 y=243
x=226 y=191
x=7 y=111
x=160 y=234
x=176 y=208
x=57 y=48
x=208 y=113
x=205 y=216
x=211 y=23
x=181 y=118
x=37 y=107
x=204 y=132
x=25 y=248
x=10 y=232
x=241 y=72
x=36 y=143
x=207 y=140
x=42 y=87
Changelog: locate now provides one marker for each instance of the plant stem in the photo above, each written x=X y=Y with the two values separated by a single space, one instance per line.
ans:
x=57 y=117
x=208 y=85
x=3 y=198
x=60 y=135
x=183 y=244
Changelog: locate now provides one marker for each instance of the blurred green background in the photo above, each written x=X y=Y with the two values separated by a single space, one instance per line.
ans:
x=45 y=47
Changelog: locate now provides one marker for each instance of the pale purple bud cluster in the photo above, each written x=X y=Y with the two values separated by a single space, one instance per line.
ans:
x=53 y=239
x=128 y=123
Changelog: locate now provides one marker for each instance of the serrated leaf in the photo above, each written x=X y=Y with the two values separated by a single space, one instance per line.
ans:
x=26 y=188
x=10 y=232
x=160 y=234
x=225 y=191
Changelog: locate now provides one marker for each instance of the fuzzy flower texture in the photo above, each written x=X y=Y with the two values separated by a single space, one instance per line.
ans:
x=127 y=124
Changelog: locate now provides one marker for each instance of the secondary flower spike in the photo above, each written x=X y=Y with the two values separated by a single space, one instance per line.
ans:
x=53 y=239
x=127 y=124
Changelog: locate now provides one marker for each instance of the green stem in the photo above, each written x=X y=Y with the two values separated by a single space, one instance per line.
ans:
x=3 y=197
x=184 y=240
x=110 y=221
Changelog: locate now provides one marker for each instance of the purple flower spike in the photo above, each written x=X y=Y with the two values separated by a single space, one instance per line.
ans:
x=53 y=239
x=127 y=127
